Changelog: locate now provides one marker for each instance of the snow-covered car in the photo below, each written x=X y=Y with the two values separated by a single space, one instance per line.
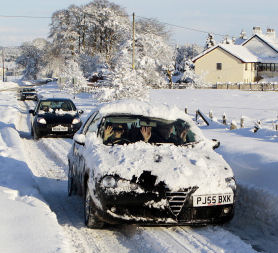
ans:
x=140 y=163
x=28 y=94
x=55 y=116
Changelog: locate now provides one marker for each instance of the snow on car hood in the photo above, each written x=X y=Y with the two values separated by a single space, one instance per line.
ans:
x=177 y=166
x=58 y=112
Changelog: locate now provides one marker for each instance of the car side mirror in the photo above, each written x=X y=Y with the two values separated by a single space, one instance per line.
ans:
x=80 y=111
x=32 y=112
x=79 y=139
x=216 y=144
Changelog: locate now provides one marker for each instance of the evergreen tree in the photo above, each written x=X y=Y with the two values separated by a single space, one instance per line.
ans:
x=210 y=42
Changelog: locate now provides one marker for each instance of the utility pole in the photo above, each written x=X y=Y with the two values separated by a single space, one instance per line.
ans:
x=133 y=42
x=3 y=63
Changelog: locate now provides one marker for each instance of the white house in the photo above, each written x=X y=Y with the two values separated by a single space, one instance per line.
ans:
x=246 y=61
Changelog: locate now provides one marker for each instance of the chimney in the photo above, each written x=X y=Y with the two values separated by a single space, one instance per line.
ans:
x=257 y=30
x=243 y=35
x=270 y=33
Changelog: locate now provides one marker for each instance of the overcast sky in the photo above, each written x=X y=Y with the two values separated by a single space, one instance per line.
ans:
x=217 y=16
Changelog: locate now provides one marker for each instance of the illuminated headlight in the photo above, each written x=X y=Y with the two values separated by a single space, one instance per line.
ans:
x=41 y=120
x=108 y=182
x=231 y=182
x=75 y=121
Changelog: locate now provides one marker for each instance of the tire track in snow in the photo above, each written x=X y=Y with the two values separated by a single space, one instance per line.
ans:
x=50 y=174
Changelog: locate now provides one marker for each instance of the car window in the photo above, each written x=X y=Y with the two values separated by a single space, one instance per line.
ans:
x=93 y=127
x=63 y=105
x=130 y=129
x=88 y=122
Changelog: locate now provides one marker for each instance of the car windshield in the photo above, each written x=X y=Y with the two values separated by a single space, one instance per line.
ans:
x=28 y=90
x=50 y=106
x=130 y=129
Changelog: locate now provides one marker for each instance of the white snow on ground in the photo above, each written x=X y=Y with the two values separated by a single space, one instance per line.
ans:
x=29 y=225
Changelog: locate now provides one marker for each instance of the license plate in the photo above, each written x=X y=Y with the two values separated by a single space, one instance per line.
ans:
x=59 y=128
x=213 y=199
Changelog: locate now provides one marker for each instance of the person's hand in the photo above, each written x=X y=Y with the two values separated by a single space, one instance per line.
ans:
x=183 y=135
x=108 y=132
x=146 y=133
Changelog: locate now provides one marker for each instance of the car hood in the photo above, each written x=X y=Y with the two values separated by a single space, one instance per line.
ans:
x=178 y=167
x=56 y=118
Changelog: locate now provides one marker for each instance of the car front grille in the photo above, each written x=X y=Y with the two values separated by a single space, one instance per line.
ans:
x=176 y=199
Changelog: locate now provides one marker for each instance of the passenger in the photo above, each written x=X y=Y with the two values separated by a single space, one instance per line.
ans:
x=113 y=134
x=146 y=133
x=156 y=135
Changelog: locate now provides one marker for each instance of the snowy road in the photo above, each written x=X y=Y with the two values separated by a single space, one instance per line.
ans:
x=47 y=159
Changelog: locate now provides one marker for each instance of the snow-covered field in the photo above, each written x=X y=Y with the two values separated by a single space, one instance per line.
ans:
x=37 y=216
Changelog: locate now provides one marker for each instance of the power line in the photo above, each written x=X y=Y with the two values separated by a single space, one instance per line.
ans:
x=187 y=28
x=7 y=16
x=89 y=14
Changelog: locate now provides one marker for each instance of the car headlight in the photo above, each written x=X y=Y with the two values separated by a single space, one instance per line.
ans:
x=41 y=120
x=109 y=182
x=126 y=185
x=75 y=121
x=231 y=182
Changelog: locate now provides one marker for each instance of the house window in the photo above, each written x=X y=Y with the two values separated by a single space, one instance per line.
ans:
x=218 y=66
x=246 y=66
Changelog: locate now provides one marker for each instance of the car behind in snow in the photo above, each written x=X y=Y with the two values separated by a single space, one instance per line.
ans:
x=55 y=116
x=140 y=163
x=28 y=94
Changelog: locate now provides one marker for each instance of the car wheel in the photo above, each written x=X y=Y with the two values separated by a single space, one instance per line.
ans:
x=36 y=135
x=91 y=221
x=71 y=184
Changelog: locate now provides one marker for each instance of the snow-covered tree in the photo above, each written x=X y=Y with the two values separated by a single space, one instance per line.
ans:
x=184 y=67
x=210 y=42
x=72 y=77
x=32 y=58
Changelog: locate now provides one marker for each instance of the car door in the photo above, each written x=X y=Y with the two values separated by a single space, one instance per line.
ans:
x=90 y=126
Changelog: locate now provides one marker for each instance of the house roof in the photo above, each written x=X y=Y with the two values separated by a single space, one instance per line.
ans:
x=272 y=43
x=237 y=51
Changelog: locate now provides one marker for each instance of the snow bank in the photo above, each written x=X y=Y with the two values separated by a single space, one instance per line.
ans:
x=27 y=223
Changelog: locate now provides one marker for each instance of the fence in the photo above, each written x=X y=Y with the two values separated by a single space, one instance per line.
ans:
x=250 y=87
x=233 y=124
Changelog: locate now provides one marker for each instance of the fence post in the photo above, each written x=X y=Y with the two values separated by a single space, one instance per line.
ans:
x=257 y=126
x=224 y=119
x=242 y=122
x=210 y=114
x=233 y=125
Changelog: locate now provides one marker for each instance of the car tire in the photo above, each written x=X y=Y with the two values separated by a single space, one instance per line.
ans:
x=71 y=183
x=91 y=221
x=36 y=135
